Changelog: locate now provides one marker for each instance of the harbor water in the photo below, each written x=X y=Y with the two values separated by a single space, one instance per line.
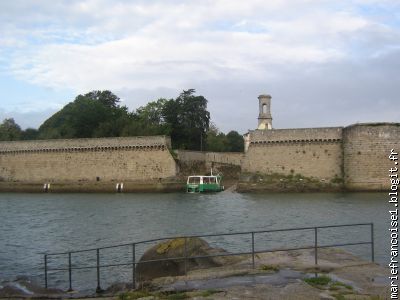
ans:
x=32 y=224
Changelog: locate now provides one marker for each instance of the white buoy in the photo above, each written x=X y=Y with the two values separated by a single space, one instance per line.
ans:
x=46 y=187
x=119 y=187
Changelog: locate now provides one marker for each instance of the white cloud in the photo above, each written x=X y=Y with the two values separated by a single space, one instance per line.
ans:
x=142 y=47
x=139 y=61
x=163 y=45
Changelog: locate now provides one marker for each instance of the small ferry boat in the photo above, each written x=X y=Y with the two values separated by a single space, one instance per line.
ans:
x=201 y=184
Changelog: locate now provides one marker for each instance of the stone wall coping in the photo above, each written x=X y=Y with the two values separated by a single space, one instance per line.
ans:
x=85 y=149
x=85 y=143
x=296 y=141
x=299 y=129
x=374 y=124
x=297 y=135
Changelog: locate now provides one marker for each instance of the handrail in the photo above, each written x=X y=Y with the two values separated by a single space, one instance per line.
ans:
x=134 y=263
x=204 y=235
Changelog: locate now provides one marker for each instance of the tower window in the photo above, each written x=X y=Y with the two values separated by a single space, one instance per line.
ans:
x=264 y=108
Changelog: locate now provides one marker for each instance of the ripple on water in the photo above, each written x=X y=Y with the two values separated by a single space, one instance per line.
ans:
x=59 y=222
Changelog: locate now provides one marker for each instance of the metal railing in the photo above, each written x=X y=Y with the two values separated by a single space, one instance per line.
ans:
x=134 y=263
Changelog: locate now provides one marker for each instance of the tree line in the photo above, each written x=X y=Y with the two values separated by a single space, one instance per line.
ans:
x=99 y=114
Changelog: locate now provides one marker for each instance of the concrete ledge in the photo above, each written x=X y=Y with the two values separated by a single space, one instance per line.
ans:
x=249 y=187
x=93 y=187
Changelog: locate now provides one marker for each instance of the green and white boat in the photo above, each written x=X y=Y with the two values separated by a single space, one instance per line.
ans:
x=201 y=184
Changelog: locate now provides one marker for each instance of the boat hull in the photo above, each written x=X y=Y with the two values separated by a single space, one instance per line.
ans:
x=203 y=188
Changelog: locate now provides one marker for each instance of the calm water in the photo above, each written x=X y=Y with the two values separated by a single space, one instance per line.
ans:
x=35 y=223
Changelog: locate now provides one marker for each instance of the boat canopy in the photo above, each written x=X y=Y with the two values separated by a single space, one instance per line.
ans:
x=203 y=179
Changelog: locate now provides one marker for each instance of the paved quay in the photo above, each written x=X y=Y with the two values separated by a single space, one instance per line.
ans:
x=279 y=275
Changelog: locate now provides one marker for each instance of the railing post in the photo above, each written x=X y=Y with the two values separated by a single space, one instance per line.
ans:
x=252 y=249
x=372 y=243
x=98 y=289
x=316 y=245
x=134 y=266
x=45 y=271
x=185 y=261
x=69 y=272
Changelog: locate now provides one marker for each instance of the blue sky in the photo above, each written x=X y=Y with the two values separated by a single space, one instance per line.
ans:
x=324 y=63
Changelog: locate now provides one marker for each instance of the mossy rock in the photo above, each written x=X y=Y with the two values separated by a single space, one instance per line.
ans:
x=175 y=248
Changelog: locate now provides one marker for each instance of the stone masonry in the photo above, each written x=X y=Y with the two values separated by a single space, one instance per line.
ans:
x=356 y=155
x=80 y=160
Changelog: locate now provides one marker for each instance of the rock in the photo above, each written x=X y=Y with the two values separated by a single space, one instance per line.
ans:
x=22 y=278
x=175 y=248
x=24 y=287
x=117 y=287
x=12 y=291
x=326 y=296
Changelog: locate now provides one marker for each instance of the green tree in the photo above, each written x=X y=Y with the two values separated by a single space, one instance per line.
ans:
x=9 y=130
x=234 y=142
x=188 y=119
x=152 y=112
x=219 y=142
x=148 y=120
x=107 y=98
x=95 y=114
x=98 y=114
x=114 y=124
x=216 y=140
x=29 y=134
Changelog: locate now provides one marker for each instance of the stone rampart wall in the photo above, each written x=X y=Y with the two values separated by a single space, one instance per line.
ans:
x=139 y=142
x=114 y=159
x=357 y=154
x=311 y=152
x=296 y=135
x=322 y=160
x=187 y=156
x=230 y=158
x=366 y=149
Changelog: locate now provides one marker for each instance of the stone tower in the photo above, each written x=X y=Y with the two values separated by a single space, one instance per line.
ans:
x=264 y=116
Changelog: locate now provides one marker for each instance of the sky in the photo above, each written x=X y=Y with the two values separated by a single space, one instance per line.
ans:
x=325 y=63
